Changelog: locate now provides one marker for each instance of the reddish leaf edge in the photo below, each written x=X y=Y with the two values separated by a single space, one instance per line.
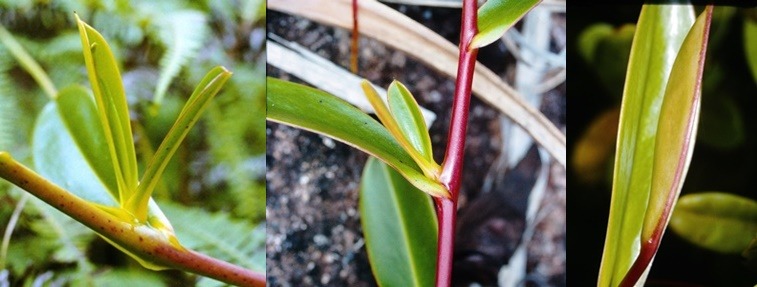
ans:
x=650 y=246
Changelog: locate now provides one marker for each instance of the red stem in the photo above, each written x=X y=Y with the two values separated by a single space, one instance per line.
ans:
x=355 y=35
x=446 y=208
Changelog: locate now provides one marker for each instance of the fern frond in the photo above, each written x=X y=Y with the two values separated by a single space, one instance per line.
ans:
x=8 y=110
x=182 y=33
x=72 y=236
x=217 y=235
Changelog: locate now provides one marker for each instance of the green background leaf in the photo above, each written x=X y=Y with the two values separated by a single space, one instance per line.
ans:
x=317 y=111
x=400 y=228
x=716 y=221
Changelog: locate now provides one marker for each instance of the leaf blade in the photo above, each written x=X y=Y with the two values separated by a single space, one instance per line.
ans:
x=717 y=221
x=653 y=51
x=385 y=202
x=408 y=115
x=208 y=87
x=317 y=111
x=496 y=16
x=111 y=104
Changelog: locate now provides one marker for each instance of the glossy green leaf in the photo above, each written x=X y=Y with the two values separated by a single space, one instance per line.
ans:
x=112 y=108
x=317 y=111
x=659 y=34
x=750 y=44
x=496 y=16
x=406 y=111
x=190 y=114
x=400 y=228
x=716 y=221
x=404 y=135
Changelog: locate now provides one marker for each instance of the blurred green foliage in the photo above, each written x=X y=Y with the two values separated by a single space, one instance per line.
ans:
x=163 y=48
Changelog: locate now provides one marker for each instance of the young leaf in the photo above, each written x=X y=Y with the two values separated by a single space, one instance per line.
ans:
x=400 y=228
x=190 y=114
x=496 y=16
x=317 y=111
x=406 y=111
x=674 y=142
x=716 y=221
x=403 y=127
x=659 y=34
x=111 y=106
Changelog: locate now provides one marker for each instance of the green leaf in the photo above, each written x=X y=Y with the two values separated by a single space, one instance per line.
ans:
x=496 y=16
x=81 y=119
x=660 y=32
x=105 y=79
x=716 y=221
x=400 y=228
x=317 y=111
x=182 y=33
x=190 y=114
x=403 y=127
x=750 y=44
x=407 y=113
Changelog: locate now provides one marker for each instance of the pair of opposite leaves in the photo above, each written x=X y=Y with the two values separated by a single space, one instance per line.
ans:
x=95 y=143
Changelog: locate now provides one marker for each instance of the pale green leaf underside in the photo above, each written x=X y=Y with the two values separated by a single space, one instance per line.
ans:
x=658 y=37
x=400 y=228
x=716 y=221
x=317 y=111
x=496 y=16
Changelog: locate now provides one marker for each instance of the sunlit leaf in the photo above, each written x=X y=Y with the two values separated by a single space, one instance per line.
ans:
x=400 y=228
x=113 y=111
x=716 y=221
x=190 y=114
x=317 y=111
x=496 y=16
x=660 y=32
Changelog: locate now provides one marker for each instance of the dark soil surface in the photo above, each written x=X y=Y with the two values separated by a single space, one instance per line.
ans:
x=314 y=232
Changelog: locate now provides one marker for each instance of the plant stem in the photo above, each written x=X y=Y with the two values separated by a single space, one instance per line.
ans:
x=453 y=159
x=141 y=241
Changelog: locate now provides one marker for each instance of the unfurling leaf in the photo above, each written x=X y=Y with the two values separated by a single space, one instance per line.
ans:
x=403 y=119
x=112 y=108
